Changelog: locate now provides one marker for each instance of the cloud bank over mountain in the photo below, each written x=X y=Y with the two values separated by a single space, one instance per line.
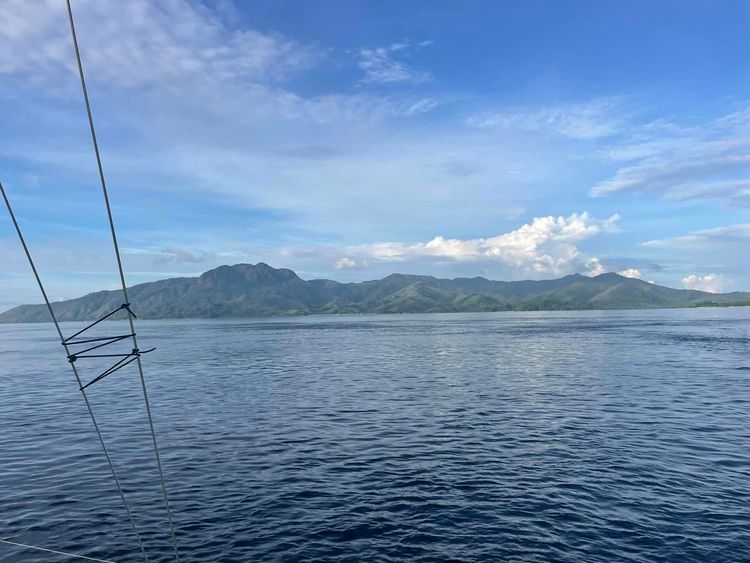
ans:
x=546 y=246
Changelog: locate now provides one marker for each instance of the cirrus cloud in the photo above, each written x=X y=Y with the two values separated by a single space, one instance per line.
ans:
x=704 y=237
x=710 y=160
x=587 y=120
x=381 y=66
x=141 y=43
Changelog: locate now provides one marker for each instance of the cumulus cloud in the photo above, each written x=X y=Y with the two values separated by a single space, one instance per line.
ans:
x=594 y=267
x=381 y=65
x=631 y=273
x=713 y=283
x=347 y=263
x=545 y=247
x=706 y=161
x=589 y=120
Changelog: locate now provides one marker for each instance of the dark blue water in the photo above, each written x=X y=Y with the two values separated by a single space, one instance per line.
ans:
x=585 y=436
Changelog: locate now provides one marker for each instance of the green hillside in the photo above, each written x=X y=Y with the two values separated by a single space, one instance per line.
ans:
x=246 y=290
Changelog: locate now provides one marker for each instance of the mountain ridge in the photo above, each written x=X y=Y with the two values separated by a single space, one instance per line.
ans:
x=259 y=290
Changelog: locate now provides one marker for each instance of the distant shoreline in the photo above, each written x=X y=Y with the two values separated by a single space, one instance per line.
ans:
x=372 y=314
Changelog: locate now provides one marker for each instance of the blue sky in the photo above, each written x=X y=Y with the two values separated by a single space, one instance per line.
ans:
x=351 y=139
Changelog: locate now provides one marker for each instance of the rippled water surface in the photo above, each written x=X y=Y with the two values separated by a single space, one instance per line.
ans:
x=576 y=436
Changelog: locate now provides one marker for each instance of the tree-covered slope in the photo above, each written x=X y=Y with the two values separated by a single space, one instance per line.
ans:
x=247 y=290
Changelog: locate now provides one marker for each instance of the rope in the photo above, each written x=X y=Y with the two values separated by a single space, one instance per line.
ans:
x=122 y=274
x=75 y=371
x=56 y=552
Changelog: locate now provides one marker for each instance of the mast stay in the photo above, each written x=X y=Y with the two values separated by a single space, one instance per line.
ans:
x=79 y=338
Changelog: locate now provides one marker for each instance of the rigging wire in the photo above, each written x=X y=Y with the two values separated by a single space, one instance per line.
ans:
x=56 y=552
x=122 y=274
x=75 y=370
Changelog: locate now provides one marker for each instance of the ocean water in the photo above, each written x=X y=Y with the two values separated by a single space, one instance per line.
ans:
x=558 y=436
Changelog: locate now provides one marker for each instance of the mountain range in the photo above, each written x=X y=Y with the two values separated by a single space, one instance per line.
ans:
x=247 y=290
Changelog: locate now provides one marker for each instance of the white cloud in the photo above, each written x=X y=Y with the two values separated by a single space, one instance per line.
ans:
x=713 y=283
x=704 y=237
x=162 y=49
x=545 y=247
x=665 y=175
x=594 y=267
x=347 y=263
x=589 y=120
x=631 y=273
x=736 y=191
x=381 y=66
x=706 y=161
x=141 y=43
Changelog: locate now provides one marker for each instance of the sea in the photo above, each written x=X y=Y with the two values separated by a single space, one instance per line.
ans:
x=516 y=436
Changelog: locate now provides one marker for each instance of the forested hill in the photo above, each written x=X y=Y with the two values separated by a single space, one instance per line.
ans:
x=247 y=290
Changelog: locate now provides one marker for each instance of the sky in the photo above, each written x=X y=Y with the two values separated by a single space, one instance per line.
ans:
x=349 y=140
